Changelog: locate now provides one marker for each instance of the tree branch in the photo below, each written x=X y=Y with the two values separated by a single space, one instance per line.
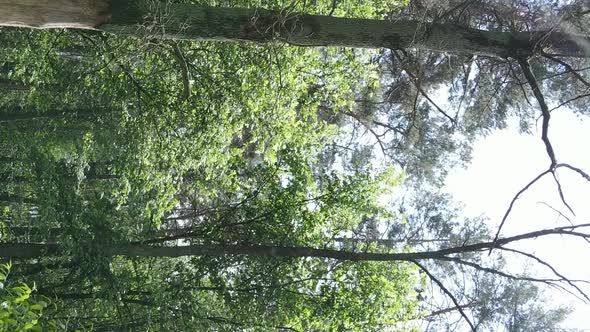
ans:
x=575 y=169
x=561 y=193
x=567 y=67
x=448 y=293
x=512 y=205
x=569 y=101
x=183 y=70
x=549 y=266
x=530 y=77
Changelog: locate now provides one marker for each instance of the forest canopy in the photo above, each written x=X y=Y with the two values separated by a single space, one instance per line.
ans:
x=272 y=165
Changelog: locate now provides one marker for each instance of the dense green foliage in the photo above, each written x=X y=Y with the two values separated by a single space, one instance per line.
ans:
x=20 y=309
x=102 y=145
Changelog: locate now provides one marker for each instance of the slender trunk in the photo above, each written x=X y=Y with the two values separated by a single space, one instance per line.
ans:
x=34 y=250
x=190 y=21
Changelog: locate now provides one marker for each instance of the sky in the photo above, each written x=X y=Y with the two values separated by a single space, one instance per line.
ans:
x=503 y=163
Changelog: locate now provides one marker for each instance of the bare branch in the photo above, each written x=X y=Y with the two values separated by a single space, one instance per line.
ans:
x=388 y=127
x=512 y=204
x=440 y=110
x=556 y=210
x=549 y=282
x=416 y=81
x=575 y=169
x=520 y=85
x=370 y=129
x=498 y=272
x=435 y=313
x=561 y=193
x=530 y=77
x=544 y=78
x=568 y=68
x=569 y=101
x=563 y=278
x=448 y=293
x=546 y=115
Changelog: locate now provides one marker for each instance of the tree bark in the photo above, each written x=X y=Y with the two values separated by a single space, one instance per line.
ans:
x=195 y=22
x=83 y=14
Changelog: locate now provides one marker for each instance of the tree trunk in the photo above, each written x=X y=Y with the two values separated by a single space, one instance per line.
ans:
x=188 y=21
x=35 y=250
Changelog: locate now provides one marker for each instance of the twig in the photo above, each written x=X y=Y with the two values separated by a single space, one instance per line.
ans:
x=561 y=193
x=512 y=205
x=520 y=85
x=569 y=101
x=370 y=129
x=498 y=272
x=556 y=210
x=542 y=262
x=462 y=5
x=447 y=292
x=416 y=81
x=568 y=67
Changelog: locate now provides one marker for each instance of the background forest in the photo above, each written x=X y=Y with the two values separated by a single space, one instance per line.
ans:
x=276 y=166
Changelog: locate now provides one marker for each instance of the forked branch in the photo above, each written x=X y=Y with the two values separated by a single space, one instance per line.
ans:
x=448 y=293
x=546 y=116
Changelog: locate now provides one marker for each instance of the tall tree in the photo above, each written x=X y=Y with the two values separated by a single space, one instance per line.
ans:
x=189 y=21
x=161 y=183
